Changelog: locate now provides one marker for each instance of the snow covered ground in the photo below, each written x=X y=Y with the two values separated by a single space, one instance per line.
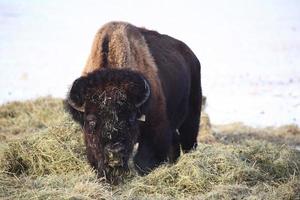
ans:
x=249 y=50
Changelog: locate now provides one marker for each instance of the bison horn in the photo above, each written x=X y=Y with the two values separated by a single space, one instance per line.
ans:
x=73 y=105
x=147 y=95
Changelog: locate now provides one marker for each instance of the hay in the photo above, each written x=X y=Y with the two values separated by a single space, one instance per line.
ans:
x=56 y=150
x=64 y=186
x=18 y=119
x=211 y=166
x=206 y=133
x=238 y=132
x=48 y=162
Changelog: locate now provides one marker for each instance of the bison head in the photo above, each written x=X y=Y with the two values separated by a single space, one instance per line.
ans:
x=108 y=104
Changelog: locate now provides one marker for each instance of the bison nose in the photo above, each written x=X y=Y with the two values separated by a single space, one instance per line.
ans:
x=115 y=154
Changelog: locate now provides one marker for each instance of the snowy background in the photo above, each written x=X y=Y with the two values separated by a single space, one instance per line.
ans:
x=249 y=50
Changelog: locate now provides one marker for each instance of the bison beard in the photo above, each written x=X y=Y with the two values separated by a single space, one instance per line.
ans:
x=108 y=101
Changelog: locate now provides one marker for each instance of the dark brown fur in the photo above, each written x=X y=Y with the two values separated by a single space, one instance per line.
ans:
x=122 y=56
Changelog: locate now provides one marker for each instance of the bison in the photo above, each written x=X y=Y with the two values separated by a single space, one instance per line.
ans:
x=138 y=87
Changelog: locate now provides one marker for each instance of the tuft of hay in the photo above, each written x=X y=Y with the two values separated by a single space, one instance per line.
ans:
x=211 y=166
x=56 y=150
x=238 y=132
x=206 y=133
x=49 y=162
x=64 y=186
x=18 y=119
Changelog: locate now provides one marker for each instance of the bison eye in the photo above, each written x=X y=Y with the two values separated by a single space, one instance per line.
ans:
x=92 y=124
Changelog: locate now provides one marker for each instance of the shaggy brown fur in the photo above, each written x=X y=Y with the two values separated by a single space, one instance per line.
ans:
x=127 y=47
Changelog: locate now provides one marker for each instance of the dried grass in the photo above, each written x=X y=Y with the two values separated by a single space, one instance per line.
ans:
x=218 y=170
x=18 y=119
x=48 y=162
x=238 y=132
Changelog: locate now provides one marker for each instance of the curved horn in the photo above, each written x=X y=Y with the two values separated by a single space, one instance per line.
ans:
x=73 y=105
x=147 y=88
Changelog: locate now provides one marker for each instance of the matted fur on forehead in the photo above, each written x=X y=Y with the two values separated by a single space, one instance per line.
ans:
x=115 y=84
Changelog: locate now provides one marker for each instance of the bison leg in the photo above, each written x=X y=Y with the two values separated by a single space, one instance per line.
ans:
x=188 y=131
x=145 y=159
x=175 y=148
x=150 y=155
x=153 y=150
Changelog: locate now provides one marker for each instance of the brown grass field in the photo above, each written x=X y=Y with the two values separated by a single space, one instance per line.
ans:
x=42 y=156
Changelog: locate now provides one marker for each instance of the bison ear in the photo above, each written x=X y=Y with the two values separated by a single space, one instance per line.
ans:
x=76 y=96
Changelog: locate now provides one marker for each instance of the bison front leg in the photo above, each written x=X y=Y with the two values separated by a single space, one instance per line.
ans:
x=154 y=147
x=174 y=151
